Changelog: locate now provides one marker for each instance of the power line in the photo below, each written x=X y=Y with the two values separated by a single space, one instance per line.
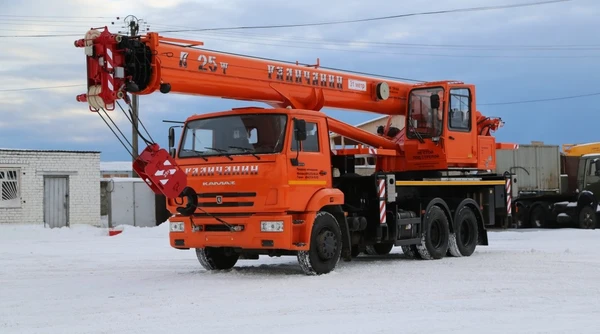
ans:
x=362 y=73
x=539 y=100
x=471 y=9
x=491 y=47
x=245 y=41
x=57 y=16
x=39 y=88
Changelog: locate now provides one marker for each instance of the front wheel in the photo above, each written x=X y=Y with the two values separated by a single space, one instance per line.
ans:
x=325 y=246
x=216 y=258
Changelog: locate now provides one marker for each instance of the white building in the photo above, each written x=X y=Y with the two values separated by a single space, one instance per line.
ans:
x=54 y=188
x=116 y=169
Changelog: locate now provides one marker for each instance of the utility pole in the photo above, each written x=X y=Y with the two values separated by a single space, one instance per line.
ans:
x=133 y=25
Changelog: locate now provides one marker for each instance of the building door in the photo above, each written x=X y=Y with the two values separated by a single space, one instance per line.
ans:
x=56 y=201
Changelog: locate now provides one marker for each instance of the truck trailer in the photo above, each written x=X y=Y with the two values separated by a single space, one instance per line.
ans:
x=548 y=187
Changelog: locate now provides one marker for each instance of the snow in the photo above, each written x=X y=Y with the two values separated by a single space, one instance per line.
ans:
x=80 y=280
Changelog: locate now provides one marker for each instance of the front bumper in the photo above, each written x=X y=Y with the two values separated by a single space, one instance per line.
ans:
x=254 y=232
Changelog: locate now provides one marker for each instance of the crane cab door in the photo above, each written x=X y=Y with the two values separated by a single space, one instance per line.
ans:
x=460 y=139
x=309 y=168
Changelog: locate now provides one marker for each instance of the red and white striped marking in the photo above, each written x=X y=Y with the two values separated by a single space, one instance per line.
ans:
x=372 y=150
x=508 y=187
x=382 y=208
x=110 y=82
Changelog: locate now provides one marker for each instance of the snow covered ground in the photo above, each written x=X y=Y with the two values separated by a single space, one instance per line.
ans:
x=80 y=280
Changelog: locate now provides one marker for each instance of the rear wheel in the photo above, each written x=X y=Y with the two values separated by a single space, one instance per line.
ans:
x=325 y=246
x=216 y=258
x=436 y=234
x=464 y=238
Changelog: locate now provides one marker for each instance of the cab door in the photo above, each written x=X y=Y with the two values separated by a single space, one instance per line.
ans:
x=461 y=137
x=310 y=167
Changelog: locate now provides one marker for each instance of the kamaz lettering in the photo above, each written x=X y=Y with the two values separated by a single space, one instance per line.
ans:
x=218 y=183
x=222 y=170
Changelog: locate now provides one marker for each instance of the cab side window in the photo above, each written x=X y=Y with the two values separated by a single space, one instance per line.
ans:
x=459 y=111
x=311 y=144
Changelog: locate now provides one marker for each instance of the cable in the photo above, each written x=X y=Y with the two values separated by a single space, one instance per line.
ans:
x=39 y=88
x=471 y=9
x=361 y=73
x=539 y=100
x=239 y=40
x=58 y=16
x=490 y=47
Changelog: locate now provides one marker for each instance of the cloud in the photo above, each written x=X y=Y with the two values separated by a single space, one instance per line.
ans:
x=53 y=119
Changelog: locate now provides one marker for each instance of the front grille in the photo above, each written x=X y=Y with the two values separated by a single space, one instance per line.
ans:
x=223 y=200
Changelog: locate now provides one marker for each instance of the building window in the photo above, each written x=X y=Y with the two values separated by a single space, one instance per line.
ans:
x=10 y=188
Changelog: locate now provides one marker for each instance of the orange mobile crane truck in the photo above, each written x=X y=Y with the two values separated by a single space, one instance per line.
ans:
x=254 y=181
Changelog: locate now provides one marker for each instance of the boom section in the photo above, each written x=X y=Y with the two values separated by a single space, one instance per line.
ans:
x=145 y=64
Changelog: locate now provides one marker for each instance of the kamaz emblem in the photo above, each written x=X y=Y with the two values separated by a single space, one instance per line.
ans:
x=222 y=170
x=219 y=199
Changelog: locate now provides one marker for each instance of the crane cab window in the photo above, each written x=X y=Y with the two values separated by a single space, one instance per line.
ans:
x=459 y=110
x=424 y=121
x=311 y=144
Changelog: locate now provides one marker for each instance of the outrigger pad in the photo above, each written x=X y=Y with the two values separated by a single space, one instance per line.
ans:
x=158 y=169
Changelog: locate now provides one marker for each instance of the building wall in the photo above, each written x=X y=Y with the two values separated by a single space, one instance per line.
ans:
x=83 y=170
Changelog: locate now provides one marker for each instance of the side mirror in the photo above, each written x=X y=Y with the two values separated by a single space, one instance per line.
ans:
x=434 y=101
x=299 y=129
x=171 y=137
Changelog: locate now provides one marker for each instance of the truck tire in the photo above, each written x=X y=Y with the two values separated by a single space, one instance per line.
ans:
x=587 y=218
x=216 y=258
x=379 y=249
x=464 y=239
x=325 y=246
x=436 y=234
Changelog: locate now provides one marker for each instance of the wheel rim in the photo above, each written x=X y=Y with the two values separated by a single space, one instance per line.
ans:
x=327 y=245
x=466 y=233
x=435 y=233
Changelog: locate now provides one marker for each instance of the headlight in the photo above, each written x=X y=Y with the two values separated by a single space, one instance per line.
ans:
x=271 y=226
x=176 y=226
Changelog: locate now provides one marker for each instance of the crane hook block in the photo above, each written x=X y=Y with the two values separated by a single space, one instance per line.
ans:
x=158 y=169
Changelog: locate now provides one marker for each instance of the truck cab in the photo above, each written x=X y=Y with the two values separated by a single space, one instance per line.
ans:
x=582 y=209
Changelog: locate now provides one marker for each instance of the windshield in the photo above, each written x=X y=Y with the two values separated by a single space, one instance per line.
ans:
x=235 y=134
x=423 y=121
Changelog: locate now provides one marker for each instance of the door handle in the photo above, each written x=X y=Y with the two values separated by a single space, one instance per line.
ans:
x=450 y=137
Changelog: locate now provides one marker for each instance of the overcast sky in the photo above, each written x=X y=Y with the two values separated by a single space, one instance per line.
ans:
x=495 y=50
